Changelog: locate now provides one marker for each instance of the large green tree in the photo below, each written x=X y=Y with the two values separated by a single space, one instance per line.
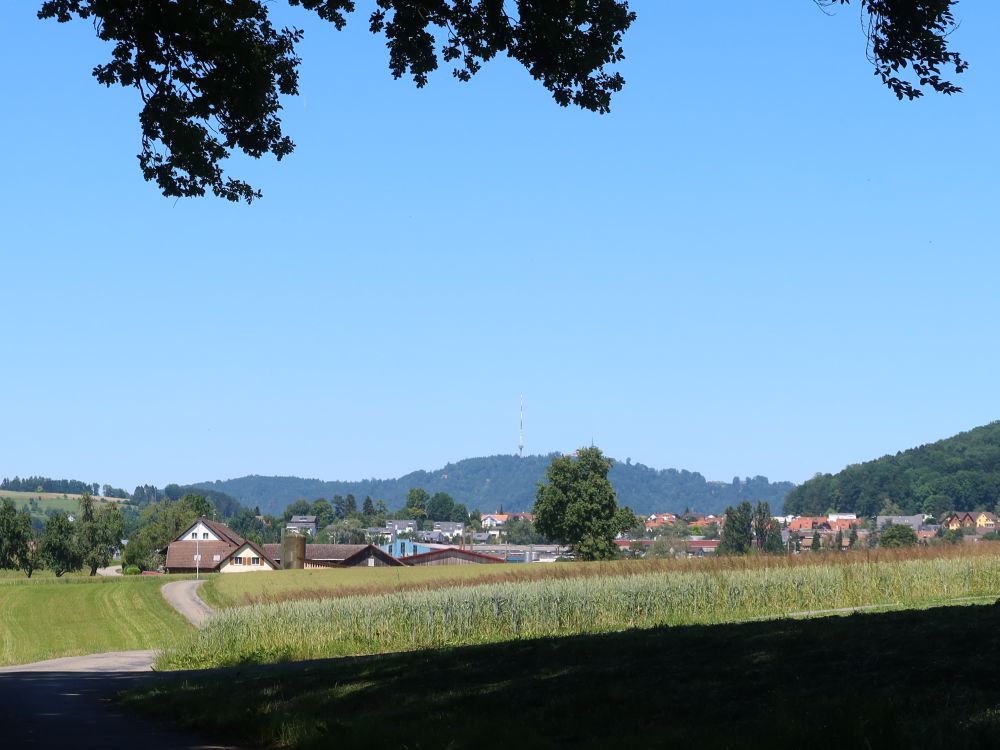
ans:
x=99 y=532
x=211 y=73
x=159 y=524
x=60 y=547
x=440 y=506
x=16 y=537
x=577 y=505
x=737 y=532
x=767 y=531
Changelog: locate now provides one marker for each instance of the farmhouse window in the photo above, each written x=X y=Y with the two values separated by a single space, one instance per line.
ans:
x=237 y=561
x=204 y=535
x=255 y=561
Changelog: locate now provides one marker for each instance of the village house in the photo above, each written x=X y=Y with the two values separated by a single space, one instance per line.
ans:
x=450 y=528
x=809 y=523
x=401 y=525
x=659 y=520
x=958 y=520
x=493 y=520
x=209 y=546
x=302 y=524
x=986 y=520
x=915 y=522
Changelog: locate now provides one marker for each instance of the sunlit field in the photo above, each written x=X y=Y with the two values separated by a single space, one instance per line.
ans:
x=722 y=591
x=46 y=618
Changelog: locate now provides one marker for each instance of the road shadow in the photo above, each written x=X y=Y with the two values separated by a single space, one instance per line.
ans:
x=80 y=710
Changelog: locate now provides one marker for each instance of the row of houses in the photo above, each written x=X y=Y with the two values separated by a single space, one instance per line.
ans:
x=211 y=546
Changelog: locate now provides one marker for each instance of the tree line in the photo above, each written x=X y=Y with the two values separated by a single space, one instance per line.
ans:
x=958 y=473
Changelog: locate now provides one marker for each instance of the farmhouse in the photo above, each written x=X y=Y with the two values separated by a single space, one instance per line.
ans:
x=209 y=546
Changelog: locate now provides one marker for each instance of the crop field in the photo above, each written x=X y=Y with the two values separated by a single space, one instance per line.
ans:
x=875 y=680
x=511 y=611
x=47 y=618
x=292 y=585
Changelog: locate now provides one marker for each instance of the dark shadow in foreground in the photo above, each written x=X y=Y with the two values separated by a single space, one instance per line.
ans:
x=925 y=678
x=78 y=710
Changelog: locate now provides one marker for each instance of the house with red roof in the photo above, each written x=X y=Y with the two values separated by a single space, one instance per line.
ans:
x=211 y=547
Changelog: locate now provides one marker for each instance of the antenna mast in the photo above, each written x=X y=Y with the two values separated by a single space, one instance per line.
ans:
x=520 y=442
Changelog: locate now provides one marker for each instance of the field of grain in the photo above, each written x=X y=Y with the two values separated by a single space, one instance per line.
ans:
x=48 y=618
x=299 y=585
x=509 y=611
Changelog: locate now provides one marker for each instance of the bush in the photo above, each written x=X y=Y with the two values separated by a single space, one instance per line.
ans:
x=131 y=570
x=898 y=536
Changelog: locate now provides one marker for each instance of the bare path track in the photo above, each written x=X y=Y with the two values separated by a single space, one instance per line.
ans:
x=183 y=596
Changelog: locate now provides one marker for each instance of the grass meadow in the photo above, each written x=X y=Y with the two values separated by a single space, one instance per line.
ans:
x=502 y=611
x=46 y=618
x=48 y=501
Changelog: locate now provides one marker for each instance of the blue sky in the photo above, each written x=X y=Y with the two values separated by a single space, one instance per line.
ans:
x=759 y=263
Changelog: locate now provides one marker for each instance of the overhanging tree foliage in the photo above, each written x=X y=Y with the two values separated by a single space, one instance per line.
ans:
x=578 y=506
x=211 y=73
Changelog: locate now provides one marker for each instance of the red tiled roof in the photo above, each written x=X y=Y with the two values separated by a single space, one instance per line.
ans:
x=703 y=543
x=328 y=552
x=180 y=555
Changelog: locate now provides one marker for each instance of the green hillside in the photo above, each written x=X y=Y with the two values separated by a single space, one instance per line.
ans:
x=958 y=473
x=490 y=482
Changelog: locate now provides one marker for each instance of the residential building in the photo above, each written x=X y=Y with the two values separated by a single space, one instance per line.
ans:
x=401 y=526
x=209 y=546
x=914 y=522
x=302 y=524
x=449 y=528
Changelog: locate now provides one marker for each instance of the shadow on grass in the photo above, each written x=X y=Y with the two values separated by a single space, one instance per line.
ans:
x=925 y=678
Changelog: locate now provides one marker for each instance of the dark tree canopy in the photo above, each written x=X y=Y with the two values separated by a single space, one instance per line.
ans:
x=210 y=73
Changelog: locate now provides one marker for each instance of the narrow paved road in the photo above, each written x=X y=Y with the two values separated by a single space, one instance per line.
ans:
x=71 y=703
x=183 y=596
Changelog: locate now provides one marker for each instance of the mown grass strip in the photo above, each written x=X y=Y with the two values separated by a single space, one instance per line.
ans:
x=500 y=612
x=47 y=621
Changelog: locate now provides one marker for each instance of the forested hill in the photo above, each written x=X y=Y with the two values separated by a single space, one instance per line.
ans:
x=958 y=473
x=508 y=481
